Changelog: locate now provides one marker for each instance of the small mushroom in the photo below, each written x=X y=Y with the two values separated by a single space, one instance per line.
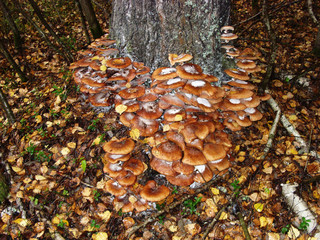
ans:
x=153 y=192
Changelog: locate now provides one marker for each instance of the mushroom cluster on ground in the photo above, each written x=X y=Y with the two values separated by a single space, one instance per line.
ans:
x=179 y=107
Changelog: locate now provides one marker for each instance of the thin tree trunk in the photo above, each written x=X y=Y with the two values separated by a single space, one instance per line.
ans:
x=316 y=45
x=273 y=55
x=92 y=20
x=49 y=28
x=16 y=34
x=4 y=189
x=6 y=107
x=10 y=59
x=42 y=33
x=148 y=31
x=83 y=21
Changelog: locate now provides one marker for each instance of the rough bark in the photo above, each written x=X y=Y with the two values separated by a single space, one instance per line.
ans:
x=92 y=20
x=149 y=30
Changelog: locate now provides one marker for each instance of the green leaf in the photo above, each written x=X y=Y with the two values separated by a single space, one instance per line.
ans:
x=83 y=165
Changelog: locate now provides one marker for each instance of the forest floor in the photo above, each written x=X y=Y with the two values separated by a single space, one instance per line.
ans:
x=54 y=149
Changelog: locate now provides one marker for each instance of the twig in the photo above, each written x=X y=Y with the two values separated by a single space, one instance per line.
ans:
x=315 y=20
x=214 y=221
x=271 y=134
x=244 y=226
x=291 y=129
x=152 y=218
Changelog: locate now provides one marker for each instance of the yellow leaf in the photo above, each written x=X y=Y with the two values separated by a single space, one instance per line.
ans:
x=237 y=148
x=71 y=144
x=178 y=117
x=166 y=128
x=293 y=232
x=135 y=134
x=103 y=68
x=16 y=169
x=121 y=108
x=95 y=58
x=22 y=222
x=263 y=222
x=274 y=236
x=215 y=191
x=65 y=151
x=242 y=179
x=105 y=216
x=223 y=216
x=258 y=207
x=293 y=117
x=128 y=85
x=97 y=140
x=101 y=115
x=86 y=192
x=100 y=236
x=38 y=119
x=40 y=177
x=104 y=61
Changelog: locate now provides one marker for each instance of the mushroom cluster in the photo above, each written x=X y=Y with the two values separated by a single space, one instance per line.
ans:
x=179 y=107
x=123 y=170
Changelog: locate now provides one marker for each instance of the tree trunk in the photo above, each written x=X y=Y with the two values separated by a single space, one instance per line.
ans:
x=6 y=107
x=316 y=46
x=83 y=21
x=91 y=18
x=13 y=26
x=49 y=28
x=148 y=31
x=10 y=59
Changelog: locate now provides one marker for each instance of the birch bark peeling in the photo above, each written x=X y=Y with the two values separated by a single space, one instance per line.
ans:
x=149 y=30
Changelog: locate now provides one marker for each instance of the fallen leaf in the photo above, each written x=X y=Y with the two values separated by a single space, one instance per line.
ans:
x=258 y=207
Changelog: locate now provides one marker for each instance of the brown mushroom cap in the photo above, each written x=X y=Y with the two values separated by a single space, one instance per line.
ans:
x=231 y=105
x=241 y=84
x=126 y=118
x=180 y=180
x=193 y=156
x=164 y=73
x=174 y=114
x=114 y=158
x=177 y=138
x=101 y=99
x=126 y=178
x=162 y=166
x=237 y=73
x=202 y=174
x=168 y=151
x=134 y=165
x=228 y=36
x=113 y=169
x=190 y=71
x=141 y=205
x=150 y=110
x=220 y=164
x=121 y=62
x=168 y=100
x=194 y=130
x=239 y=93
x=146 y=127
x=114 y=188
x=214 y=152
x=231 y=124
x=175 y=58
x=154 y=193
x=180 y=167
x=132 y=92
x=119 y=146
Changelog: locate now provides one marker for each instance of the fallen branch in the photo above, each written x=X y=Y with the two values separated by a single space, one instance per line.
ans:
x=214 y=221
x=291 y=129
x=244 y=226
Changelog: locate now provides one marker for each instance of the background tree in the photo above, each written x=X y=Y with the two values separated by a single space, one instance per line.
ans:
x=16 y=34
x=91 y=18
x=148 y=30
